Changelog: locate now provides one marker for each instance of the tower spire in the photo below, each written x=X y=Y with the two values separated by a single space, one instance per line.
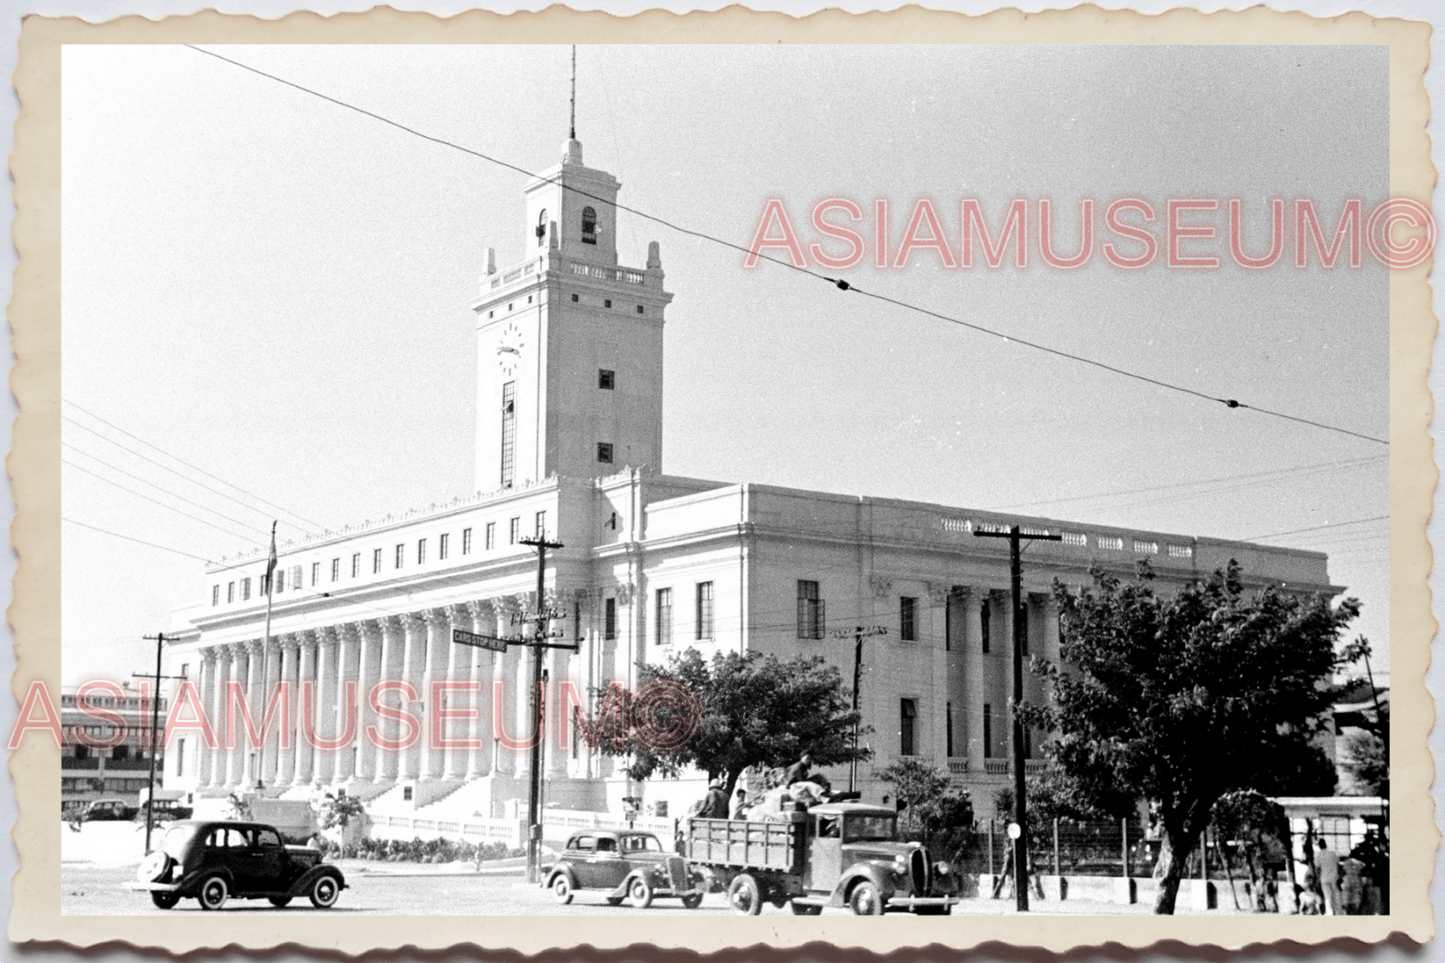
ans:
x=572 y=125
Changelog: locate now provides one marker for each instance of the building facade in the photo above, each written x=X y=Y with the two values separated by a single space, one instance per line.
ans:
x=569 y=446
x=105 y=746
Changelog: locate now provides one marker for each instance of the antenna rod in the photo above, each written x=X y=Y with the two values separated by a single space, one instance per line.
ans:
x=572 y=127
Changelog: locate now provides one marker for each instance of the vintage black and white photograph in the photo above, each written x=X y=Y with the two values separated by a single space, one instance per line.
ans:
x=667 y=481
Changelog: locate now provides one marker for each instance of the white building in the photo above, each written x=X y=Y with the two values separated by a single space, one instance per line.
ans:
x=569 y=444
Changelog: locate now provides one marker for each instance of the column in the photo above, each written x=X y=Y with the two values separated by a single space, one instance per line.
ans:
x=205 y=760
x=226 y=774
x=438 y=646
x=348 y=668
x=504 y=678
x=323 y=761
x=458 y=669
x=368 y=674
x=937 y=623
x=271 y=662
x=255 y=684
x=305 y=675
x=393 y=639
x=957 y=671
x=286 y=764
x=413 y=670
x=522 y=706
x=607 y=666
x=556 y=757
x=481 y=671
x=973 y=676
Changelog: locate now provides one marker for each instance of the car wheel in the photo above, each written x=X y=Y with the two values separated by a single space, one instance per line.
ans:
x=279 y=901
x=324 y=892
x=562 y=888
x=692 y=900
x=154 y=867
x=213 y=892
x=932 y=911
x=164 y=900
x=744 y=895
x=614 y=901
x=639 y=894
x=864 y=900
x=805 y=909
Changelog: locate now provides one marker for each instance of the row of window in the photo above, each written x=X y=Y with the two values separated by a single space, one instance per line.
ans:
x=813 y=617
x=399 y=557
x=606 y=303
x=908 y=727
x=704 y=627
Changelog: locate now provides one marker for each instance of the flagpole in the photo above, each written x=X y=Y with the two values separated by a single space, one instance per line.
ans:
x=266 y=638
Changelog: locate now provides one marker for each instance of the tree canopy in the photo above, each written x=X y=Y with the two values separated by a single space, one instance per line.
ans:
x=756 y=710
x=1182 y=698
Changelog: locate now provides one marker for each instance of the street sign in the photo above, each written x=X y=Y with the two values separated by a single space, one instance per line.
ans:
x=463 y=637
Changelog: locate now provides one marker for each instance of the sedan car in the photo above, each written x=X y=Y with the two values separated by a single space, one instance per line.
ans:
x=212 y=861
x=626 y=865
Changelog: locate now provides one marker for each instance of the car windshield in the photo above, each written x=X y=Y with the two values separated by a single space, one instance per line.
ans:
x=857 y=828
x=634 y=844
x=173 y=843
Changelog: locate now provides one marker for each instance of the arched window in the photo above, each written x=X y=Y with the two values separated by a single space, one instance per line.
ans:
x=589 y=226
x=541 y=227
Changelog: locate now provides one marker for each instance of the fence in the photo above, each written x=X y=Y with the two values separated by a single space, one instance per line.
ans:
x=1066 y=847
x=556 y=824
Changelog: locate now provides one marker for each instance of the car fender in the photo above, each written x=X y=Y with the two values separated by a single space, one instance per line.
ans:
x=563 y=870
x=621 y=889
x=869 y=871
x=190 y=883
x=304 y=882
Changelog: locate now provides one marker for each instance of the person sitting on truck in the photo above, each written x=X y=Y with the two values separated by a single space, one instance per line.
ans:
x=715 y=804
x=798 y=771
x=741 y=805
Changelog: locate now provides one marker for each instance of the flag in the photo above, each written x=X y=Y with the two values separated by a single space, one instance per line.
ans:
x=271 y=561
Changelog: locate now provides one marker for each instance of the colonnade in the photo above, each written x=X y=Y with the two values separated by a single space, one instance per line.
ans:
x=319 y=736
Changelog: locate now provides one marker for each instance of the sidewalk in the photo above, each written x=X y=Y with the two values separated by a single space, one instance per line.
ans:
x=493 y=867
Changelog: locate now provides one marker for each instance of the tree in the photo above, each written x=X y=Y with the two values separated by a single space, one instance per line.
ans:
x=751 y=710
x=1365 y=764
x=1183 y=699
x=927 y=802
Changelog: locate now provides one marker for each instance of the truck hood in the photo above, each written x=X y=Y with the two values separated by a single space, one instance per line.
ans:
x=879 y=849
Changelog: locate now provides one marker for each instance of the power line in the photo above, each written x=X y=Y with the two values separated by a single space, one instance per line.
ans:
x=1316 y=528
x=155 y=501
x=836 y=282
x=143 y=481
x=129 y=538
x=148 y=444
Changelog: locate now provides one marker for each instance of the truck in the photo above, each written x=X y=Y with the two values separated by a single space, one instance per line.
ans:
x=834 y=854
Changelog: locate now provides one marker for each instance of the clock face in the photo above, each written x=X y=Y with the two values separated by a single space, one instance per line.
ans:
x=509 y=349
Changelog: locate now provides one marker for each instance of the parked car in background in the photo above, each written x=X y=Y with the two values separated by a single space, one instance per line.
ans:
x=167 y=810
x=108 y=810
x=626 y=865
x=212 y=861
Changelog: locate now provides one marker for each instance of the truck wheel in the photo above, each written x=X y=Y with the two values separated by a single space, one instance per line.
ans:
x=932 y=911
x=692 y=900
x=562 y=888
x=864 y=900
x=639 y=894
x=805 y=909
x=745 y=896
x=164 y=900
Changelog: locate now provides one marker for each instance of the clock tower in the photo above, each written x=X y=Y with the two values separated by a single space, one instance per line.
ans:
x=569 y=342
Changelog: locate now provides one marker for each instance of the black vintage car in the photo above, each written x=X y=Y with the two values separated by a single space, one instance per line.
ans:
x=627 y=865
x=212 y=861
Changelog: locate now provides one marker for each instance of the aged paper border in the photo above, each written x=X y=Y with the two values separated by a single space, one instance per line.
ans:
x=34 y=466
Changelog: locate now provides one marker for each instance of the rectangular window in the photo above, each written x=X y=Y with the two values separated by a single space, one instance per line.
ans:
x=515 y=531
x=280 y=580
x=908 y=618
x=355 y=564
x=810 y=611
x=467 y=541
x=443 y=543
x=315 y=573
x=609 y=619
x=604 y=452
x=541 y=525
x=664 y=616
x=948 y=728
x=606 y=380
x=296 y=578
x=984 y=617
x=987 y=731
x=421 y=551
x=400 y=554
x=335 y=569
x=245 y=589
x=704 y=611
x=491 y=536
x=230 y=592
x=376 y=561
x=509 y=431
x=216 y=594
x=907 y=717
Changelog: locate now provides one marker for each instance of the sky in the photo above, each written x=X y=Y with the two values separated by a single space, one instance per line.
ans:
x=274 y=290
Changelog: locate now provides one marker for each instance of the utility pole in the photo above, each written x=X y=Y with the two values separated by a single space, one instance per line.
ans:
x=534 y=812
x=859 y=633
x=1016 y=581
x=159 y=639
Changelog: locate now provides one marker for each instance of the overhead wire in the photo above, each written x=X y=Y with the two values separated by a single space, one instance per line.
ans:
x=145 y=481
x=839 y=283
x=156 y=501
x=131 y=538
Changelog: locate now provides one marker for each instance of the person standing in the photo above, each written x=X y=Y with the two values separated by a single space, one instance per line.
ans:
x=715 y=803
x=1327 y=864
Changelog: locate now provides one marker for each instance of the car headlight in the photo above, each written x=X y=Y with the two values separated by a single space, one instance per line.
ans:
x=942 y=868
x=900 y=865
